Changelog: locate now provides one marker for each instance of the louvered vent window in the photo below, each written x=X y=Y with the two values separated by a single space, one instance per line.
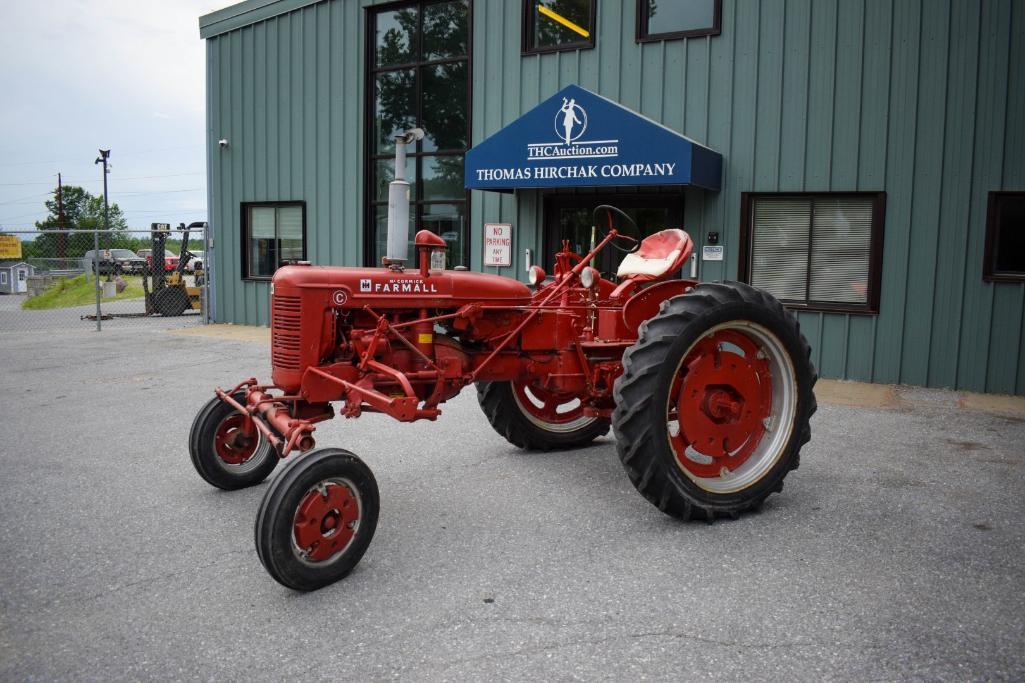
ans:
x=815 y=251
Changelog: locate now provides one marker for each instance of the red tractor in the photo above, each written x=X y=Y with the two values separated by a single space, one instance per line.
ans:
x=707 y=387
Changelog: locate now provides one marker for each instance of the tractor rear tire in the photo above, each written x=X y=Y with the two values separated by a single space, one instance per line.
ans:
x=728 y=364
x=170 y=301
x=522 y=424
x=317 y=519
x=225 y=464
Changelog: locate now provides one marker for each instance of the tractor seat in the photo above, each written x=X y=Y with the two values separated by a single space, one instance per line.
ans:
x=659 y=256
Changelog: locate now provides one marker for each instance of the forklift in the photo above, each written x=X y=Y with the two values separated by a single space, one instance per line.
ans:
x=167 y=293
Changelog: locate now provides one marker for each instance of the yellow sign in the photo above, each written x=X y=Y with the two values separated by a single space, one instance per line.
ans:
x=10 y=247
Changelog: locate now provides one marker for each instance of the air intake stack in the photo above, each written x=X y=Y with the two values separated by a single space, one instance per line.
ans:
x=398 y=202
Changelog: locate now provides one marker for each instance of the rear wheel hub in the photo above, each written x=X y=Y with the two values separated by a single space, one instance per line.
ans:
x=721 y=398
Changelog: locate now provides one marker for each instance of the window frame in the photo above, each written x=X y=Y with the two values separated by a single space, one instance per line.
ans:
x=527 y=29
x=644 y=36
x=875 y=258
x=244 y=242
x=989 y=270
x=370 y=155
x=3 y=277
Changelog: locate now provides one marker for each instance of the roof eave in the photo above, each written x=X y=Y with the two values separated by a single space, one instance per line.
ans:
x=246 y=13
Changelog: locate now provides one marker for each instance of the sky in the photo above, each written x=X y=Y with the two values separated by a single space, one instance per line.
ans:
x=80 y=75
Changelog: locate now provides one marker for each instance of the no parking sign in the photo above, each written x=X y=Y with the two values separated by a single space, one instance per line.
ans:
x=498 y=244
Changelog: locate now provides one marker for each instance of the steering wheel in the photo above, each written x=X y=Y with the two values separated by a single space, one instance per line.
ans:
x=609 y=211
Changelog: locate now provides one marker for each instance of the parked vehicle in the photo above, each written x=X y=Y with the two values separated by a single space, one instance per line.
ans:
x=170 y=261
x=195 y=263
x=120 y=261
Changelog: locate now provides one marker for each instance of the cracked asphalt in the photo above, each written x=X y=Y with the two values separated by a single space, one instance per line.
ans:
x=894 y=552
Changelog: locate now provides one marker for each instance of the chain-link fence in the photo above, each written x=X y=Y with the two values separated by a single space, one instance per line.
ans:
x=92 y=279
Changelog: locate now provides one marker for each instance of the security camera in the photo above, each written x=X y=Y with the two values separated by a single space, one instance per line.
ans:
x=223 y=142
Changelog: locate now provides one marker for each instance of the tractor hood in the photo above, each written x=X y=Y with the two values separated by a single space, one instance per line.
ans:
x=385 y=288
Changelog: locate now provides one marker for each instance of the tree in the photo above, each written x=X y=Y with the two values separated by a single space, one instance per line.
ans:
x=82 y=211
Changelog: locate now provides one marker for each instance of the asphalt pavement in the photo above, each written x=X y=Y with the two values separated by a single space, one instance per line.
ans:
x=896 y=551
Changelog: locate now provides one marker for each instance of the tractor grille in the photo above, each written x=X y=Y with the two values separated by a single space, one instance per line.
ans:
x=285 y=332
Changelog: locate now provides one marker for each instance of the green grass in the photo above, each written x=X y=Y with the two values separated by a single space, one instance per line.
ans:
x=78 y=291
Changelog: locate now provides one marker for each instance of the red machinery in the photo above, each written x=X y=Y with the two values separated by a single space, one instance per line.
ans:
x=708 y=387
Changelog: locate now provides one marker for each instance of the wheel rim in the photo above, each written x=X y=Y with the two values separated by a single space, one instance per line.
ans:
x=234 y=448
x=551 y=411
x=326 y=521
x=731 y=406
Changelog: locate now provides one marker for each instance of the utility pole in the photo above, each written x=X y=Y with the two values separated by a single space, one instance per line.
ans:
x=102 y=159
x=60 y=220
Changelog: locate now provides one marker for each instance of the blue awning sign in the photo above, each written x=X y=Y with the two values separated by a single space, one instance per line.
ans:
x=579 y=139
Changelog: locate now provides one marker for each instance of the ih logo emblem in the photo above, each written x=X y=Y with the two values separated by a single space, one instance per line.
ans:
x=364 y=285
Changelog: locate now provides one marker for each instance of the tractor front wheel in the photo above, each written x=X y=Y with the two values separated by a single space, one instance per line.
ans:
x=221 y=451
x=536 y=419
x=317 y=519
x=714 y=402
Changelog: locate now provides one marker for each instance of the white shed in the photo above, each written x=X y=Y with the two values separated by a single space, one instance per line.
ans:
x=14 y=276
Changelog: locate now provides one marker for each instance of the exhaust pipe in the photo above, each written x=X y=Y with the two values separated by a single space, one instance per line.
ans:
x=398 y=202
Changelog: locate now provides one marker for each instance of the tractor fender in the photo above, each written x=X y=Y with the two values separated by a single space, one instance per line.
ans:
x=645 y=304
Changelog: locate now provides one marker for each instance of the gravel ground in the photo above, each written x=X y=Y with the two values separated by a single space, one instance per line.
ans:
x=894 y=552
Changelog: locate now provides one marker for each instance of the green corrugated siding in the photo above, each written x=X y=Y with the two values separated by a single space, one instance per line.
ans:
x=922 y=99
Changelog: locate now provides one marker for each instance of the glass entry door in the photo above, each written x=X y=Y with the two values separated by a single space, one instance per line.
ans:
x=571 y=216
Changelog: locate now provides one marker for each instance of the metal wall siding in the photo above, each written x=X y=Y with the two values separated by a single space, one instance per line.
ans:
x=921 y=99
x=1014 y=163
x=929 y=140
x=976 y=315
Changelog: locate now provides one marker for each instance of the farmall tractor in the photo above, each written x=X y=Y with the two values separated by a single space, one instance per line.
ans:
x=707 y=387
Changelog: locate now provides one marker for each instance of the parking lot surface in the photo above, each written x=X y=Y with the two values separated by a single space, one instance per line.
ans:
x=895 y=551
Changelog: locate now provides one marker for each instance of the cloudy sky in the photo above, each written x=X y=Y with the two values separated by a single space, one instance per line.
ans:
x=128 y=75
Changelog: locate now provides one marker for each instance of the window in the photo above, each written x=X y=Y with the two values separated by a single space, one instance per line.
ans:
x=814 y=251
x=670 y=19
x=273 y=233
x=1005 y=238
x=3 y=277
x=21 y=275
x=550 y=25
x=419 y=76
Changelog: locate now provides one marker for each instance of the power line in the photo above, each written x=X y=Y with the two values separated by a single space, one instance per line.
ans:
x=130 y=155
x=33 y=198
x=145 y=192
x=168 y=210
x=138 y=177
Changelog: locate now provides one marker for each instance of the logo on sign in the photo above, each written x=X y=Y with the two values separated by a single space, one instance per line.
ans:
x=578 y=138
x=340 y=297
x=364 y=284
x=570 y=115
x=570 y=125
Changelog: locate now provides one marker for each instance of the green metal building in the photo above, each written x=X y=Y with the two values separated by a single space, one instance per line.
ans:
x=873 y=152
